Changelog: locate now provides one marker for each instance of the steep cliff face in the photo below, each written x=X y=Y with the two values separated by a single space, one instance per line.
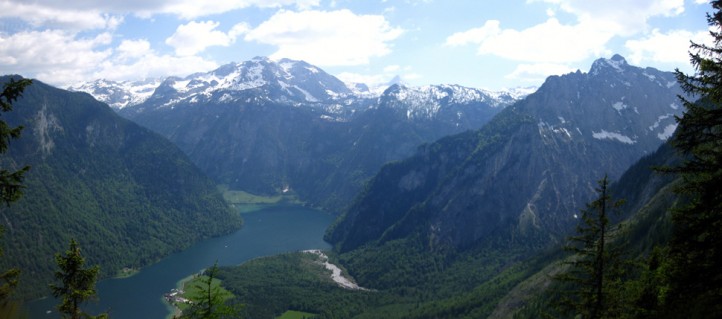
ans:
x=521 y=179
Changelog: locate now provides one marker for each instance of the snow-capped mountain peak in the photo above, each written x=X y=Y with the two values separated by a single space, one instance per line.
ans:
x=427 y=101
x=119 y=94
x=286 y=80
x=616 y=63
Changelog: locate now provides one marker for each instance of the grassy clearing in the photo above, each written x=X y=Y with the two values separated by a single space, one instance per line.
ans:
x=246 y=202
x=126 y=272
x=292 y=314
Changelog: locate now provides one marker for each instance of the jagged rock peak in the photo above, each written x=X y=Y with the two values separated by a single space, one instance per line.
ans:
x=617 y=63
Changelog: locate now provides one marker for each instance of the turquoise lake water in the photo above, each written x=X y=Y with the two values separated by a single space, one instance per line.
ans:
x=269 y=231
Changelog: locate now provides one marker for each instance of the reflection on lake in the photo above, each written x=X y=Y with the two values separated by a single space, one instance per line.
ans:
x=269 y=231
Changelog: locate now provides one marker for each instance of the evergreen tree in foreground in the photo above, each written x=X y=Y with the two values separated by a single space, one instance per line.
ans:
x=10 y=181
x=10 y=187
x=77 y=284
x=696 y=245
x=210 y=300
x=595 y=267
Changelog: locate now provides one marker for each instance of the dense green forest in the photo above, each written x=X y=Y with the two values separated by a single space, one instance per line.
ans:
x=127 y=195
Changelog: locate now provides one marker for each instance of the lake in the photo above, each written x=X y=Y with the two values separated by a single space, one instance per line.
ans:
x=269 y=231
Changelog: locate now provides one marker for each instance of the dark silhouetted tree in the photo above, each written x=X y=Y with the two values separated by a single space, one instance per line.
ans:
x=696 y=245
x=10 y=186
x=595 y=266
x=11 y=181
x=210 y=301
x=77 y=284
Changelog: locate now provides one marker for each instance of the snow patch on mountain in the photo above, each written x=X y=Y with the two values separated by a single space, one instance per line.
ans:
x=616 y=63
x=668 y=132
x=659 y=121
x=619 y=106
x=603 y=134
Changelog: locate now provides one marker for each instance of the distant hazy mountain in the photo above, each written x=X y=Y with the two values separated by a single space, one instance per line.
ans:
x=129 y=196
x=265 y=126
x=520 y=180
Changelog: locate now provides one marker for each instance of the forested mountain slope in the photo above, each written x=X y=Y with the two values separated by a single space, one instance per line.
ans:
x=125 y=193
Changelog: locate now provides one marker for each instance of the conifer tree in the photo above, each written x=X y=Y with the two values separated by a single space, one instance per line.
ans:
x=594 y=265
x=77 y=284
x=696 y=244
x=10 y=183
x=210 y=300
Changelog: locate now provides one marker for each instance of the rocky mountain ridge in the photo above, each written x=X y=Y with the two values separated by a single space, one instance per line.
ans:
x=523 y=176
x=285 y=81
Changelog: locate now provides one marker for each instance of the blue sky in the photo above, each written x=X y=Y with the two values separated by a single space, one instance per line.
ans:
x=476 y=43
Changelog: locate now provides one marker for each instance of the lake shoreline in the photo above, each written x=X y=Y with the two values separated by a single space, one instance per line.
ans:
x=270 y=231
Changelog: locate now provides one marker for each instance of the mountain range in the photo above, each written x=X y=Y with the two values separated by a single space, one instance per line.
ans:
x=272 y=127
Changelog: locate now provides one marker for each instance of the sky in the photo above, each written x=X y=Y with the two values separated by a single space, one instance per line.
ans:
x=490 y=44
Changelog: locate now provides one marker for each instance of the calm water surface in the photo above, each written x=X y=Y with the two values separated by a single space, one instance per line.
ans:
x=266 y=232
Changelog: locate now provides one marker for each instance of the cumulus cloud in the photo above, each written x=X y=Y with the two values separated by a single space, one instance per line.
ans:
x=62 y=58
x=187 y=9
x=548 y=42
x=550 y=47
x=37 y=14
x=194 y=37
x=150 y=65
x=132 y=49
x=54 y=56
x=622 y=17
x=669 y=47
x=327 y=38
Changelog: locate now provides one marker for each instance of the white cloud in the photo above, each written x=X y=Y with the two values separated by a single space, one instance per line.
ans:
x=54 y=56
x=405 y=73
x=392 y=68
x=538 y=72
x=669 y=47
x=132 y=48
x=476 y=35
x=150 y=65
x=194 y=37
x=187 y=9
x=549 y=45
x=326 y=38
x=62 y=58
x=190 y=9
x=58 y=17
x=622 y=17
x=548 y=42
